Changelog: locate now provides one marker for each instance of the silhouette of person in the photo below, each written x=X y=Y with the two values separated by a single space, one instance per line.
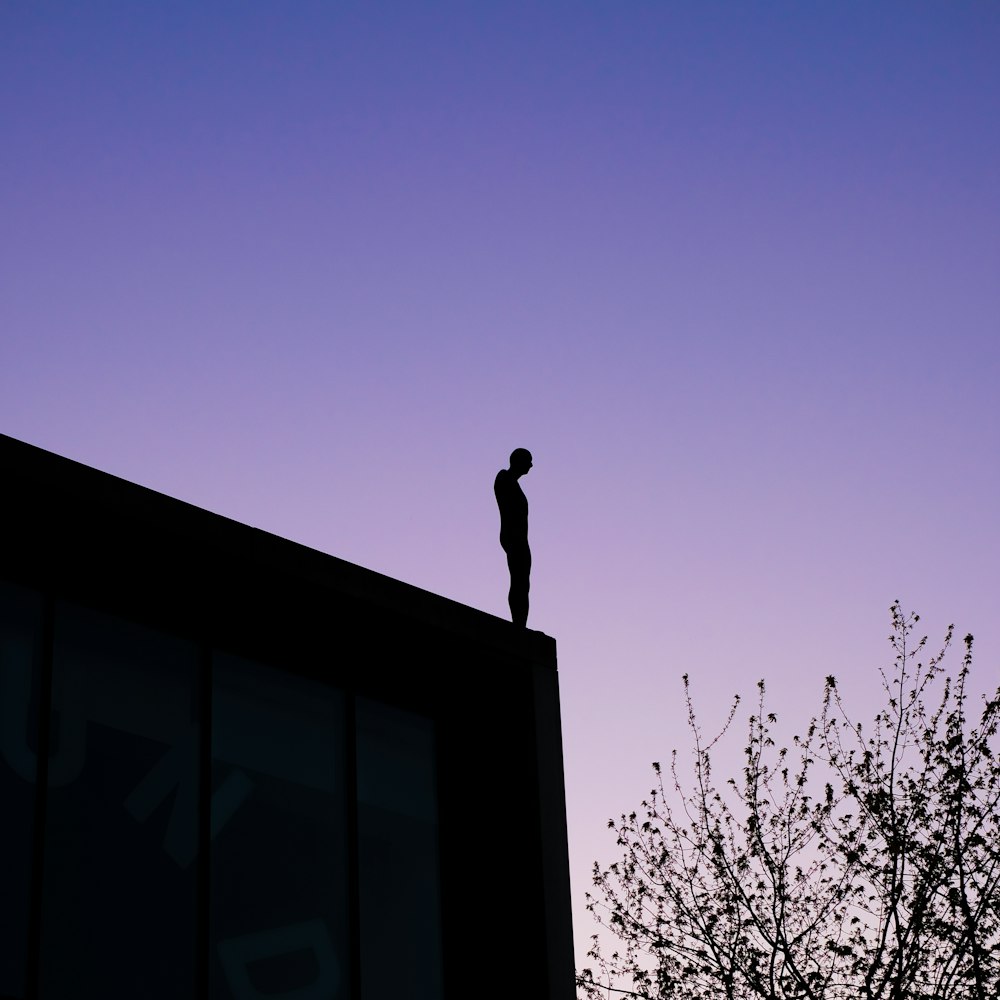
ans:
x=513 y=506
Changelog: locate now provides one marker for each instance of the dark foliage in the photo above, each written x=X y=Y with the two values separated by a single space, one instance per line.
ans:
x=862 y=862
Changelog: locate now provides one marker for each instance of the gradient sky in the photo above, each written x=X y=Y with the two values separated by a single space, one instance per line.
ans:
x=731 y=271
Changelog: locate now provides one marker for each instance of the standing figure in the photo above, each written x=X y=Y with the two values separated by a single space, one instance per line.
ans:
x=513 y=506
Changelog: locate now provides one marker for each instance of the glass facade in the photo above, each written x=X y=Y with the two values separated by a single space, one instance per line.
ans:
x=121 y=833
x=398 y=867
x=280 y=894
x=318 y=808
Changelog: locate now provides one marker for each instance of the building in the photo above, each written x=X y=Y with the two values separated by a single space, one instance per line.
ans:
x=235 y=767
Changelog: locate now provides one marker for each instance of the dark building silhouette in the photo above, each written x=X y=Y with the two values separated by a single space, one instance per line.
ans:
x=234 y=767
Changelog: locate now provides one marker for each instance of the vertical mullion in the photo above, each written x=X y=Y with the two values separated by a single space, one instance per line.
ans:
x=33 y=978
x=353 y=838
x=203 y=929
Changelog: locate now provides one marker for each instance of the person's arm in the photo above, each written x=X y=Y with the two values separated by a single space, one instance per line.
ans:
x=502 y=491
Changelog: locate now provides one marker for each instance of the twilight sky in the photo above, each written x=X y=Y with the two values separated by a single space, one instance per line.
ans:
x=731 y=271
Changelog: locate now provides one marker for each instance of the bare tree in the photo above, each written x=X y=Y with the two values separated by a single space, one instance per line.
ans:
x=862 y=863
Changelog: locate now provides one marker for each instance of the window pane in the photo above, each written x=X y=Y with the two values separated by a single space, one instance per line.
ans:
x=398 y=855
x=279 y=849
x=118 y=913
x=20 y=651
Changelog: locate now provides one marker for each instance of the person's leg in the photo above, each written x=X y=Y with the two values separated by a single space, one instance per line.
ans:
x=519 y=564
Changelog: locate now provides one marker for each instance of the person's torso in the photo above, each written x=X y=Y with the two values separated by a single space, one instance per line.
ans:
x=513 y=504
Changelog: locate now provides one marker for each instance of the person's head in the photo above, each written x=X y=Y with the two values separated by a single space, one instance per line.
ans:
x=520 y=461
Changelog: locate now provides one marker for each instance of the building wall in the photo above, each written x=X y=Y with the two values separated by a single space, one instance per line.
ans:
x=268 y=772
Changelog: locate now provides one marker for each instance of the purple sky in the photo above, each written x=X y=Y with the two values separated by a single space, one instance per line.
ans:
x=731 y=271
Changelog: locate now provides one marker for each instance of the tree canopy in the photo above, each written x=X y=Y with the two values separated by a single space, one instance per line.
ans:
x=861 y=861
